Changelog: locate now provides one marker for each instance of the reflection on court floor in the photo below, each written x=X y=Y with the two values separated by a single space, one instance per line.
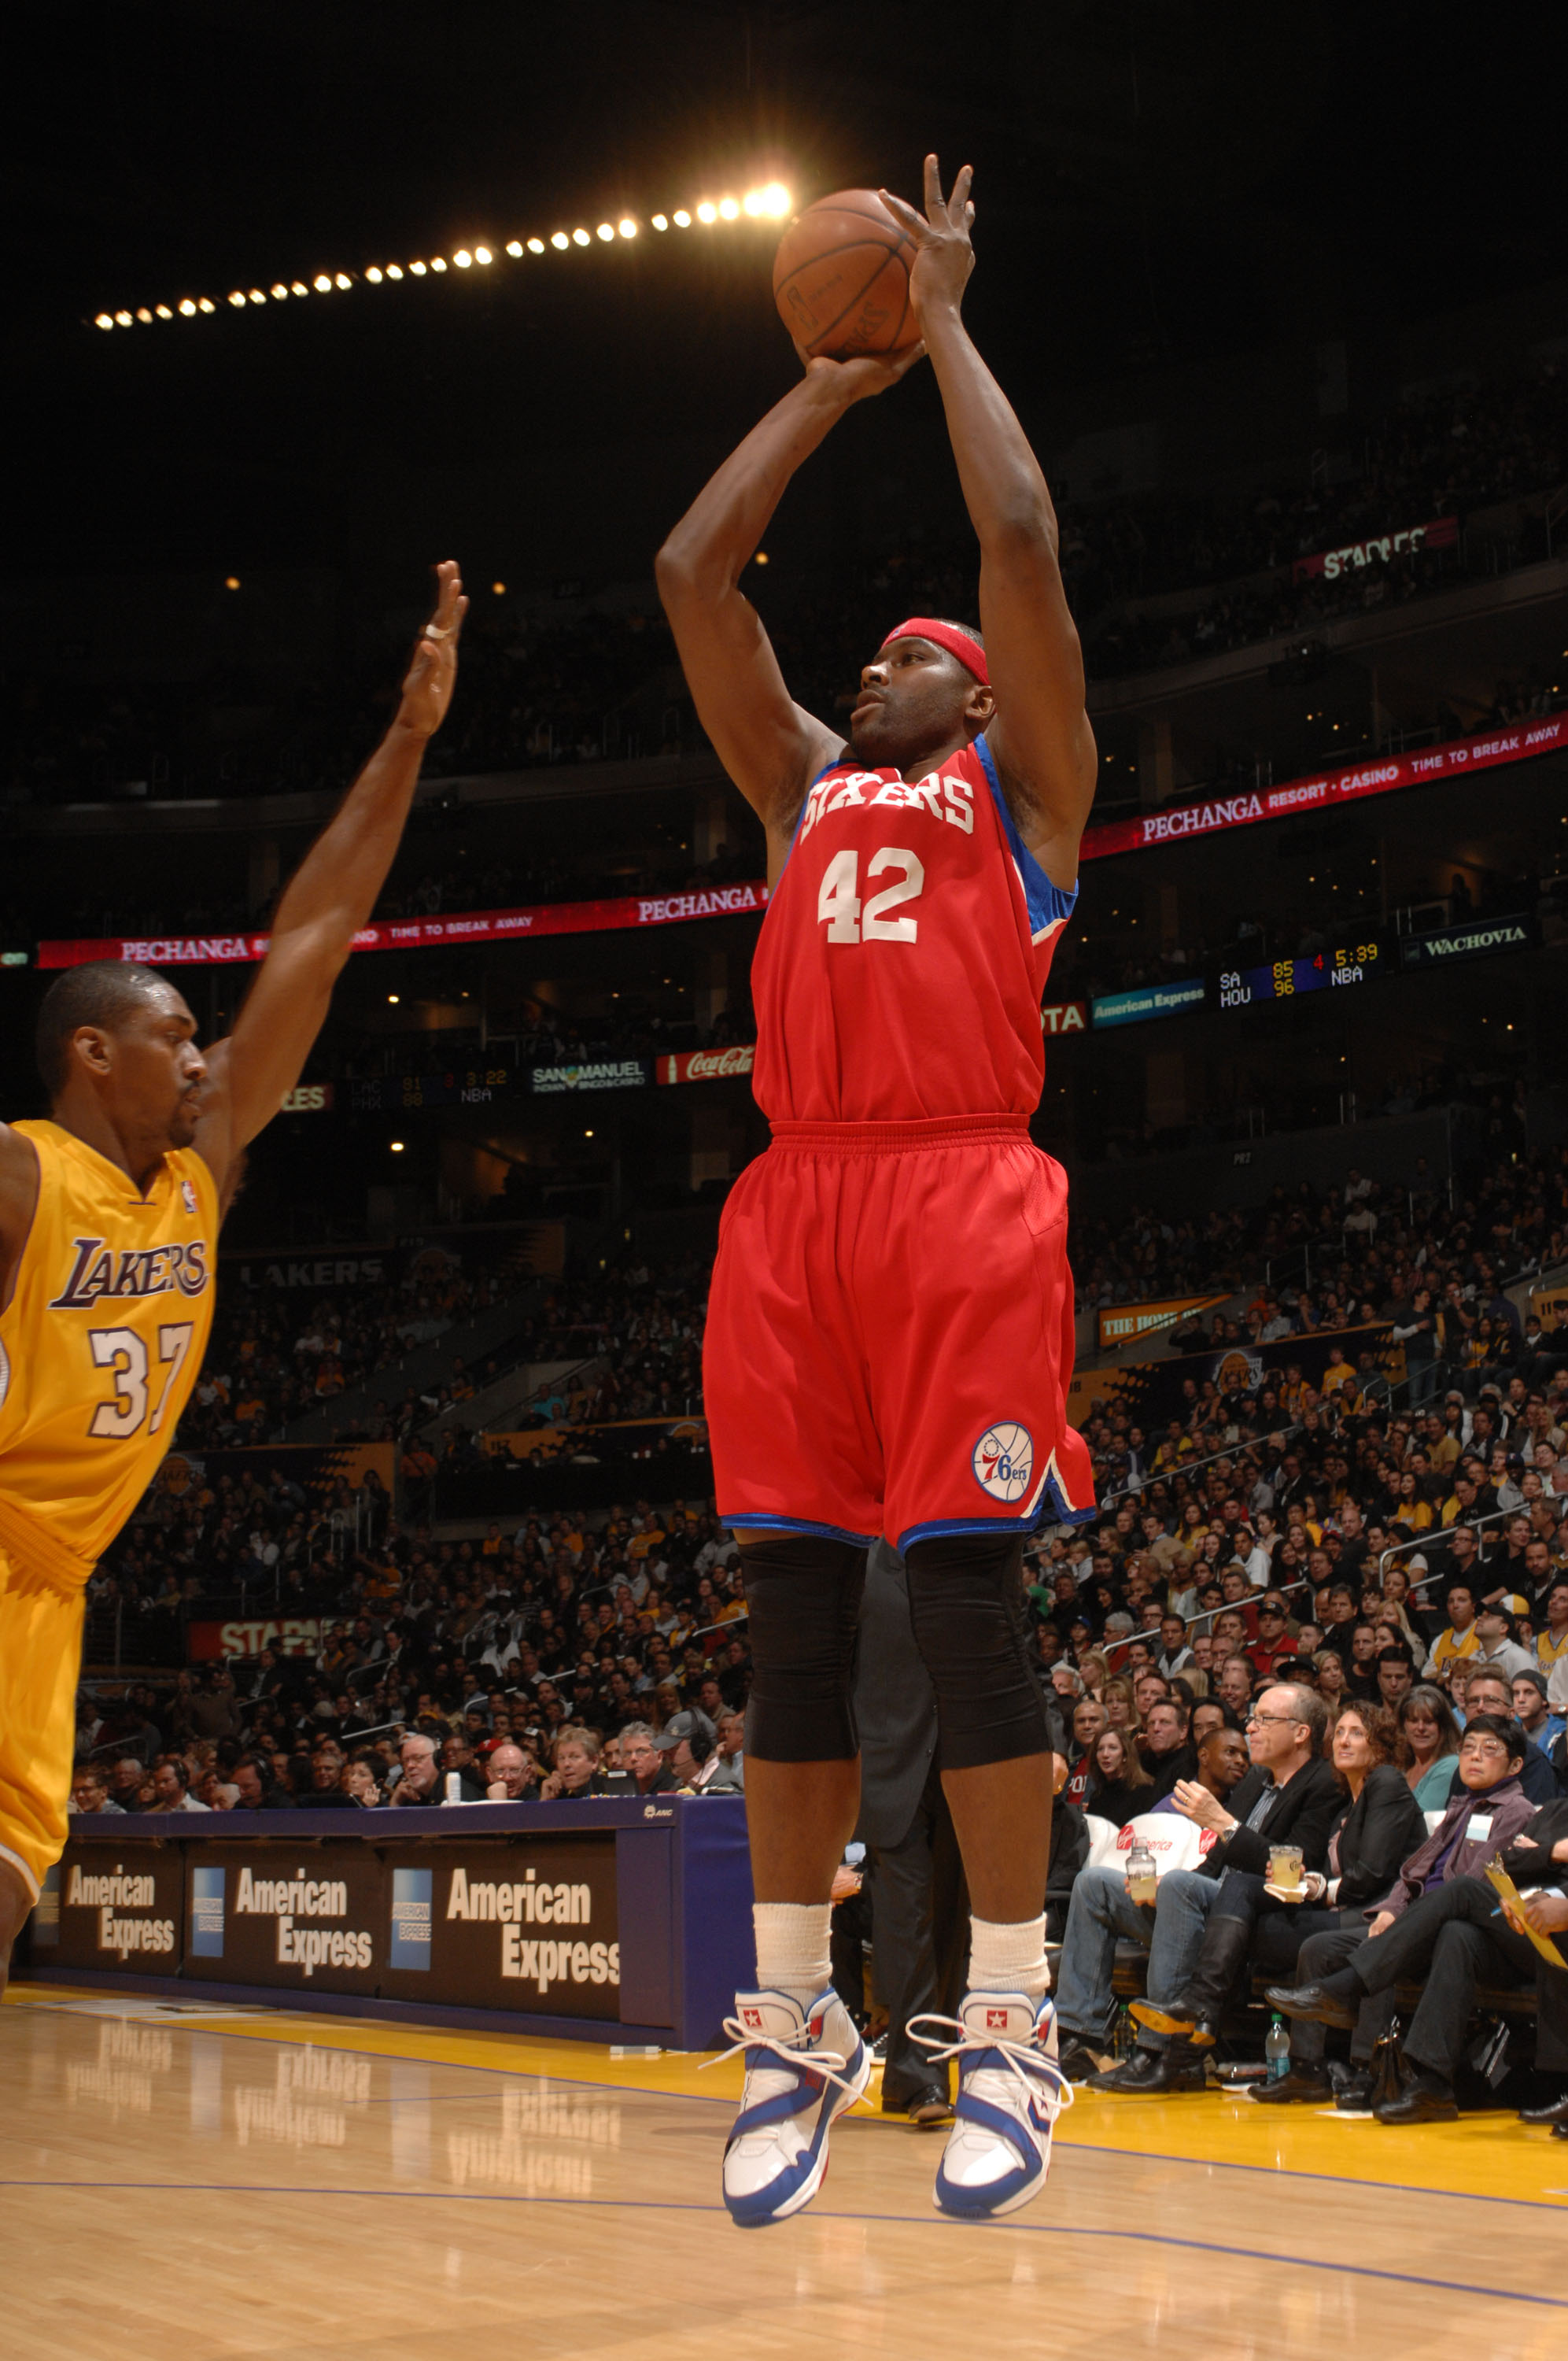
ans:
x=321 y=2186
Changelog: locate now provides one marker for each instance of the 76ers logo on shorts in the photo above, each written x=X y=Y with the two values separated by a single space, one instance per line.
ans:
x=1004 y=1460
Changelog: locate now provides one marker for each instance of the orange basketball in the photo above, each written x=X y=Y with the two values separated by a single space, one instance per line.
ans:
x=841 y=277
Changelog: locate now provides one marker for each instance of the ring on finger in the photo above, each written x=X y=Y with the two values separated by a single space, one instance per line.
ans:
x=435 y=632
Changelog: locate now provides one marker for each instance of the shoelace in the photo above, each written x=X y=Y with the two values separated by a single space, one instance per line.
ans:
x=1022 y=2059
x=790 y=2052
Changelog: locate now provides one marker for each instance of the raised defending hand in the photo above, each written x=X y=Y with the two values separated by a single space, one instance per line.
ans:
x=945 y=257
x=432 y=672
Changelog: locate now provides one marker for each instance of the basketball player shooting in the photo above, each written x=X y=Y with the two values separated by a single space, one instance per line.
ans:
x=891 y=1323
x=109 y=1220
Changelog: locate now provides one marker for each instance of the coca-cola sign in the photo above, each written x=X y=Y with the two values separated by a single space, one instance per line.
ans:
x=706 y=1065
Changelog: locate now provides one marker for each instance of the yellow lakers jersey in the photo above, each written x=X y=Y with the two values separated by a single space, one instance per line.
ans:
x=99 y=1345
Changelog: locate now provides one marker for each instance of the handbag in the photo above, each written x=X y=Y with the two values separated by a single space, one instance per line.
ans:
x=1388 y=2075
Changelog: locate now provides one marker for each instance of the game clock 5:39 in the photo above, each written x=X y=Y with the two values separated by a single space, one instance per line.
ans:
x=1349 y=964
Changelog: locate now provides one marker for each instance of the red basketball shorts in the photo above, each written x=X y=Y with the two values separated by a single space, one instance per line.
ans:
x=890 y=1335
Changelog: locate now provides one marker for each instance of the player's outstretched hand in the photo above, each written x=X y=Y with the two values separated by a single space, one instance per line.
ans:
x=944 y=257
x=432 y=672
x=868 y=373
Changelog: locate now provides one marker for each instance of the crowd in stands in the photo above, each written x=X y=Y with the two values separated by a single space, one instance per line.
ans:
x=1367 y=1246
x=1300 y=1595
x=605 y=684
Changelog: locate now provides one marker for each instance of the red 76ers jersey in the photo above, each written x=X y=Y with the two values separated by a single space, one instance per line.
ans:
x=904 y=952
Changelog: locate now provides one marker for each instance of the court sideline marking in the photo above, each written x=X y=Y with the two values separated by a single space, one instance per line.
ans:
x=900 y=2221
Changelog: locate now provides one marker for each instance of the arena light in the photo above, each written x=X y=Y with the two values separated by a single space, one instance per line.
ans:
x=769 y=201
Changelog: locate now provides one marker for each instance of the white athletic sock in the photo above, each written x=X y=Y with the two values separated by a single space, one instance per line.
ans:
x=792 y=1948
x=1009 y=1957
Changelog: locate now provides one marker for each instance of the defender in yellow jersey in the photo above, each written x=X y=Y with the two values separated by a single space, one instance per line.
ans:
x=109 y=1217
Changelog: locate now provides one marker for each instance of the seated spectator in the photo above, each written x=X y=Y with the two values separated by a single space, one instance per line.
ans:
x=259 y=1790
x=125 y=1782
x=1489 y=1692
x=1540 y=1724
x=421 y=1779
x=732 y=1745
x=511 y=1778
x=1395 y=1675
x=639 y=1756
x=1460 y=1638
x=1117 y=1787
x=90 y=1791
x=690 y=1746
x=459 y=1759
x=1165 y=1754
x=1429 y=1746
x=574 y=1768
x=1088 y=1719
x=1377 y=1823
x=1296 y=1802
x=1102 y=1910
x=358 y=1781
x=172 y=1787
x=1347 y=1978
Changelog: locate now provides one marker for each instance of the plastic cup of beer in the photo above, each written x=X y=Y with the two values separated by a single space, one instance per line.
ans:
x=1285 y=1867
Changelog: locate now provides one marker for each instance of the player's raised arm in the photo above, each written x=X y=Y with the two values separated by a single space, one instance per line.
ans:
x=770 y=746
x=1041 y=739
x=327 y=900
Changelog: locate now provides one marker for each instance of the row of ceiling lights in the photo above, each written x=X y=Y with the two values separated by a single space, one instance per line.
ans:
x=770 y=203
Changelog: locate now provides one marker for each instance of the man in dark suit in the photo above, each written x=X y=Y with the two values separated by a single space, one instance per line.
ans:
x=918 y=1897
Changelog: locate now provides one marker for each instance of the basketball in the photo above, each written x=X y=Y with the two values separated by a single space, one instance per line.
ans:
x=841 y=277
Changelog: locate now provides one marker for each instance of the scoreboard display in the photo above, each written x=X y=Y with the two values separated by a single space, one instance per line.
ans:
x=1340 y=969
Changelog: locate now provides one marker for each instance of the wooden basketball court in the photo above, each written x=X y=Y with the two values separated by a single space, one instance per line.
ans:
x=216 y=2181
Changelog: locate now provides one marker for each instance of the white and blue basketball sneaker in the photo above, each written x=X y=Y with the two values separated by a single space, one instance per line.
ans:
x=1011 y=2090
x=803 y=2068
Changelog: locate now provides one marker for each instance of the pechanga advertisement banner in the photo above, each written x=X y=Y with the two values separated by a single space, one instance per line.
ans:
x=108 y=1905
x=532 y=1925
x=418 y=934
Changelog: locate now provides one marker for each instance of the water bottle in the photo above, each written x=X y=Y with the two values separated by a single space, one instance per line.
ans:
x=1276 y=2049
x=454 y=1787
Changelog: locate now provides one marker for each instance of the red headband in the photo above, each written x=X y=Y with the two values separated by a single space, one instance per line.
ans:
x=970 y=653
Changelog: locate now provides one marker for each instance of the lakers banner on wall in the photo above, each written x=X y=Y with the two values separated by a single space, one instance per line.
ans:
x=1121 y=1321
x=315 y=1467
x=1153 y=1392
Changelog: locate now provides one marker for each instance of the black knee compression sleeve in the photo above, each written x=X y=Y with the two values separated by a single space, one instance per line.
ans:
x=966 y=1603
x=803 y=1593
